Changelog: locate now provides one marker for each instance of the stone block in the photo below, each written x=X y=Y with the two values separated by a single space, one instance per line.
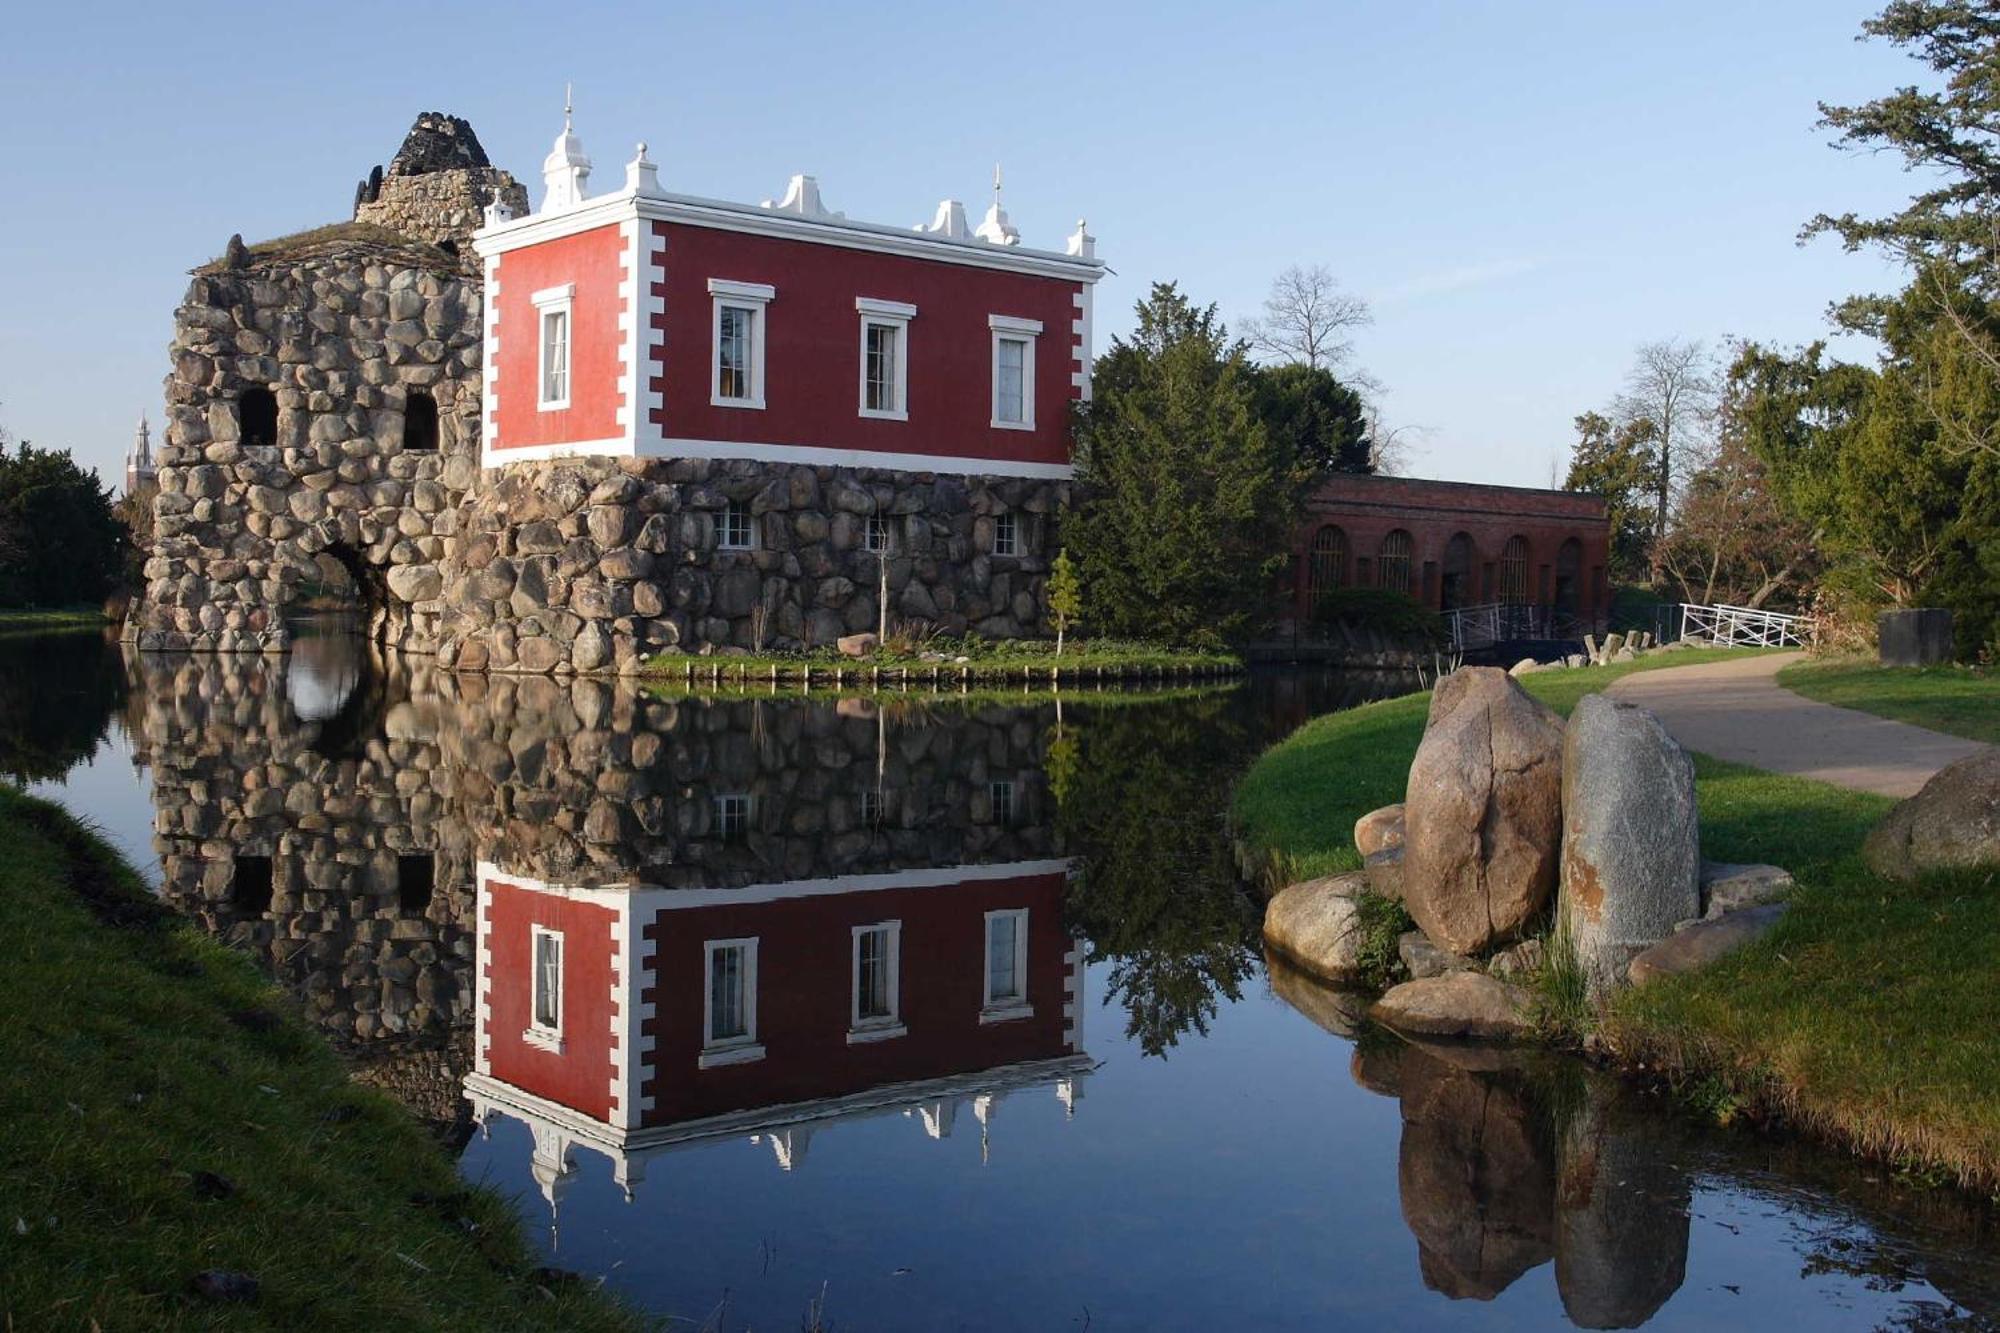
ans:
x=1915 y=638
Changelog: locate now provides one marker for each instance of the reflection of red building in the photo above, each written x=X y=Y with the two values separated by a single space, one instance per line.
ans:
x=636 y=1018
x=1455 y=544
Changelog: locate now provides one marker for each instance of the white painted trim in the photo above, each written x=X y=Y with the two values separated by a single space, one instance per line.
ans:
x=631 y=345
x=489 y=360
x=1082 y=329
x=882 y=1027
x=899 y=324
x=729 y=1050
x=677 y=900
x=869 y=305
x=482 y=981
x=829 y=456
x=748 y=291
x=1017 y=545
x=547 y=1037
x=1005 y=1008
x=556 y=301
x=549 y=296
x=652 y=303
x=716 y=802
x=722 y=215
x=1007 y=329
x=754 y=298
x=722 y=539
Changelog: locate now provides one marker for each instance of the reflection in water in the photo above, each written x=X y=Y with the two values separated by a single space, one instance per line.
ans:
x=731 y=984
x=57 y=696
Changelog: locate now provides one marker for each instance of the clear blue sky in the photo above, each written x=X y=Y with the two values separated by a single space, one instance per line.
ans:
x=1525 y=192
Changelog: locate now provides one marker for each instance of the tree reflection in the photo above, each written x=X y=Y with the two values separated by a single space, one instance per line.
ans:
x=57 y=695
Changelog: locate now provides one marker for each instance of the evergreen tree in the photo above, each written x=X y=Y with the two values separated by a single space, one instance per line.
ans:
x=60 y=543
x=1185 y=505
x=1318 y=423
x=1619 y=462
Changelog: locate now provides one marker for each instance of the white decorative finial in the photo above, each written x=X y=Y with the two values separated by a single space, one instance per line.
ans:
x=568 y=103
x=949 y=223
x=1082 y=244
x=642 y=176
x=802 y=198
x=996 y=230
x=567 y=168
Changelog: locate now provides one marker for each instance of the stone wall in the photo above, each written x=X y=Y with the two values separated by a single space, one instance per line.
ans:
x=341 y=327
x=589 y=564
x=438 y=186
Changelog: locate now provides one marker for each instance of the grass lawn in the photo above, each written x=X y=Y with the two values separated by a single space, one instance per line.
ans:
x=13 y=618
x=162 y=1113
x=922 y=661
x=1868 y=1017
x=1963 y=701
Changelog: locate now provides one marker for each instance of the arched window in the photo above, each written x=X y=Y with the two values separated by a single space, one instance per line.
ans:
x=1458 y=557
x=420 y=422
x=1392 y=568
x=1326 y=563
x=257 y=417
x=1514 y=571
x=1569 y=576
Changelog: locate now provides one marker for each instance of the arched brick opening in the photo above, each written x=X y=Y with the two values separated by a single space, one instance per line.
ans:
x=1456 y=589
x=257 y=417
x=1326 y=564
x=1392 y=564
x=1514 y=571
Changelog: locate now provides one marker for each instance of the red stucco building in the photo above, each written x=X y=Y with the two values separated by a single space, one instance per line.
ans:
x=1455 y=544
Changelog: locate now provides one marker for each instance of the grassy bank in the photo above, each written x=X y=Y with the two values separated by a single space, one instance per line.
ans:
x=74 y=617
x=951 y=662
x=1959 y=700
x=163 y=1113
x=1866 y=1017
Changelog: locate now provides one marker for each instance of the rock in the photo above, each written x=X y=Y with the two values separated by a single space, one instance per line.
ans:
x=1953 y=823
x=857 y=645
x=1524 y=666
x=1731 y=888
x=1338 y=1011
x=1631 y=849
x=1423 y=959
x=1316 y=925
x=1379 y=830
x=1378 y=1066
x=1624 y=655
x=416 y=583
x=1457 y=1004
x=1704 y=942
x=1385 y=873
x=1482 y=820
x=1520 y=960
x=1621 y=1214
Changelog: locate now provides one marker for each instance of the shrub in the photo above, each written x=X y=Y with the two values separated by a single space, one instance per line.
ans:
x=1393 y=615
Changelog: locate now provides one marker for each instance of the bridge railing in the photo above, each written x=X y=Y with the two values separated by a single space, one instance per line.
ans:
x=1497 y=622
x=1744 y=626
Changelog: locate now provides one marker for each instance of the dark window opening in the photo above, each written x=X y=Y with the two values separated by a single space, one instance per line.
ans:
x=416 y=876
x=450 y=247
x=1456 y=590
x=420 y=422
x=1326 y=564
x=250 y=889
x=257 y=417
x=1514 y=571
x=1569 y=576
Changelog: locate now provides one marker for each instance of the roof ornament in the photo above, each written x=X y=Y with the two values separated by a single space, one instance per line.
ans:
x=566 y=170
x=1082 y=245
x=996 y=229
x=802 y=200
x=642 y=176
x=949 y=223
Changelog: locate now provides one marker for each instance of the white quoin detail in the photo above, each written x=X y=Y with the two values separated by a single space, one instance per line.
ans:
x=949 y=223
x=996 y=229
x=566 y=170
x=642 y=175
x=802 y=200
x=1082 y=245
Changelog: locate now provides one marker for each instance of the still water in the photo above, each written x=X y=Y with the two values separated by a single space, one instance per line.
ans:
x=924 y=1013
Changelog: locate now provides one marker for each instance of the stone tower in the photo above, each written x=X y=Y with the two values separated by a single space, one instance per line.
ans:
x=437 y=186
x=139 y=469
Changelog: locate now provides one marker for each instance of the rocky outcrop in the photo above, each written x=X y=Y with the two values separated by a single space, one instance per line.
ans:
x=1316 y=924
x=1379 y=830
x=1483 y=814
x=1457 y=1004
x=1704 y=942
x=1631 y=843
x=1952 y=824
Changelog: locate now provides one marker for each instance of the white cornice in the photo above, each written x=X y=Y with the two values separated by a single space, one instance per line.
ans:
x=723 y=216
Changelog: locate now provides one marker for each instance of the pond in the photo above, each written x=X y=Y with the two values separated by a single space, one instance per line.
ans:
x=919 y=1012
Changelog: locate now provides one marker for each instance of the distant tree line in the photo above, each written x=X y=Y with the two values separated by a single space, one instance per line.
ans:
x=61 y=544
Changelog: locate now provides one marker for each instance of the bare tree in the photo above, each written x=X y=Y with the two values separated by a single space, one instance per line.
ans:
x=1390 y=448
x=1671 y=384
x=1307 y=318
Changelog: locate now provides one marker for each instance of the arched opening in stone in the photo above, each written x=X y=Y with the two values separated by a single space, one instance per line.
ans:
x=420 y=423
x=1456 y=589
x=250 y=885
x=416 y=878
x=257 y=417
x=1569 y=575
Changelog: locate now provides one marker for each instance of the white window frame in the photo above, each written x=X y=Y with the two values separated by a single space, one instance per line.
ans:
x=554 y=301
x=880 y=1027
x=723 y=803
x=756 y=298
x=722 y=539
x=998 y=790
x=1009 y=328
x=888 y=522
x=872 y=806
x=1002 y=1009
x=1013 y=525
x=730 y=1050
x=895 y=316
x=536 y=1033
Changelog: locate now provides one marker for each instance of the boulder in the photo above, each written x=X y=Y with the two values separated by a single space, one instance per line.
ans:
x=1726 y=887
x=857 y=645
x=1457 y=1004
x=1631 y=846
x=1953 y=823
x=1385 y=873
x=1482 y=819
x=1704 y=942
x=1338 y=1011
x=1524 y=666
x=1622 y=1203
x=1519 y=960
x=1379 y=830
x=1423 y=959
x=1316 y=925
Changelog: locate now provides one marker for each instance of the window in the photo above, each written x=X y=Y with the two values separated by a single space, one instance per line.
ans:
x=738 y=371
x=732 y=815
x=1326 y=564
x=876 y=1011
x=1006 y=534
x=1006 y=993
x=553 y=305
x=257 y=417
x=871 y=806
x=1392 y=565
x=416 y=876
x=1569 y=576
x=250 y=886
x=875 y=534
x=1013 y=371
x=885 y=357
x=420 y=422
x=734 y=531
x=729 y=1003
x=1000 y=796
x=1514 y=571
x=545 y=1019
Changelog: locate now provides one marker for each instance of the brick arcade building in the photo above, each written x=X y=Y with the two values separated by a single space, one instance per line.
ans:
x=1455 y=544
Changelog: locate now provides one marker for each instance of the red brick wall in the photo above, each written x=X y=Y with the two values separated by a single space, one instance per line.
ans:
x=1368 y=509
x=579 y=1076
x=595 y=261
